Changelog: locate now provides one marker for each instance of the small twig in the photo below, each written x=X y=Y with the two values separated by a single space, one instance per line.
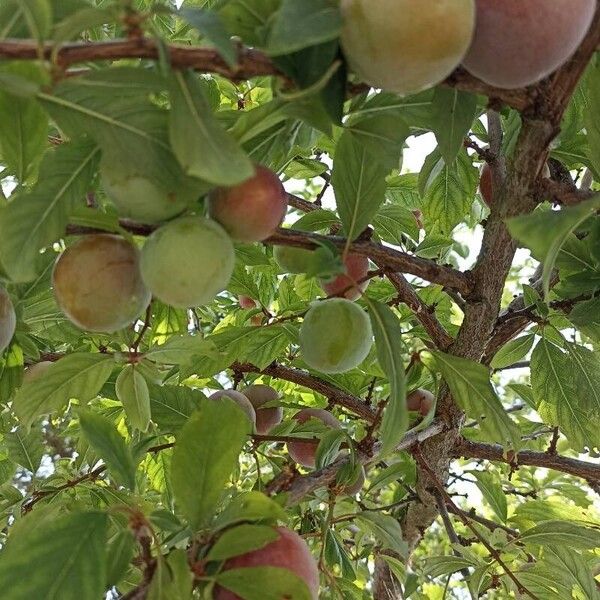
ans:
x=554 y=442
x=136 y=343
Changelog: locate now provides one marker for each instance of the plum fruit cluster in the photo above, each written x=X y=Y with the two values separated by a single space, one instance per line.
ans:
x=402 y=48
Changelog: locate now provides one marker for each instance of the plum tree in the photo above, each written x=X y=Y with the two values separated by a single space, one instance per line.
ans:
x=187 y=262
x=266 y=418
x=357 y=267
x=289 y=551
x=518 y=43
x=240 y=399
x=252 y=210
x=292 y=260
x=143 y=200
x=335 y=336
x=8 y=319
x=403 y=47
x=304 y=452
x=420 y=400
x=98 y=285
x=36 y=371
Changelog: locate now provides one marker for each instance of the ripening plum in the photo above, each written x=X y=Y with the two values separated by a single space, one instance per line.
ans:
x=266 y=418
x=420 y=400
x=357 y=267
x=517 y=43
x=403 y=46
x=187 y=262
x=290 y=552
x=292 y=260
x=335 y=336
x=36 y=371
x=98 y=285
x=486 y=183
x=8 y=320
x=252 y=210
x=143 y=200
x=240 y=399
x=304 y=453
x=246 y=302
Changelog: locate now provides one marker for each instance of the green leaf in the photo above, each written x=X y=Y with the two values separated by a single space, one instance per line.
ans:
x=359 y=184
x=240 y=540
x=81 y=20
x=564 y=533
x=171 y=406
x=78 y=375
x=329 y=447
x=23 y=127
x=264 y=583
x=470 y=385
x=132 y=391
x=492 y=491
x=69 y=554
x=298 y=25
x=390 y=351
x=453 y=115
x=385 y=529
x=203 y=148
x=562 y=559
x=119 y=554
x=210 y=25
x=206 y=453
x=436 y=566
x=37 y=14
x=585 y=367
x=109 y=444
x=545 y=232
x=172 y=579
x=181 y=349
x=557 y=398
x=513 y=352
x=25 y=448
x=591 y=97
x=36 y=219
x=250 y=506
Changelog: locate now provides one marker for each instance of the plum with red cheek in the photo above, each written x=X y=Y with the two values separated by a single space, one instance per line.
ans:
x=420 y=401
x=304 y=453
x=357 y=267
x=289 y=551
x=8 y=320
x=252 y=210
x=246 y=302
x=240 y=399
x=266 y=418
x=517 y=43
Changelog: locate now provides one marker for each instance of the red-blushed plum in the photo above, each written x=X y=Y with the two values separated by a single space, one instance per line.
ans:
x=8 y=319
x=290 y=552
x=518 y=42
x=357 y=267
x=187 y=262
x=404 y=46
x=240 y=399
x=420 y=400
x=486 y=183
x=98 y=285
x=252 y=210
x=266 y=418
x=292 y=260
x=335 y=336
x=246 y=302
x=36 y=371
x=304 y=452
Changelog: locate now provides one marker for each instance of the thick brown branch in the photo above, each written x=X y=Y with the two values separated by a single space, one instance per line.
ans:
x=571 y=466
x=560 y=192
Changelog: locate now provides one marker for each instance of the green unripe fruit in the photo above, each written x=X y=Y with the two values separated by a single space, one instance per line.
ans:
x=98 y=285
x=240 y=399
x=187 y=262
x=8 y=320
x=292 y=260
x=140 y=199
x=336 y=336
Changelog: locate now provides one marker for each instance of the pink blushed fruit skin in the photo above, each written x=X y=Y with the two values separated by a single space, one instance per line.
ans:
x=486 y=183
x=304 y=453
x=357 y=267
x=517 y=43
x=266 y=418
x=420 y=400
x=252 y=210
x=240 y=399
x=246 y=302
x=288 y=552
